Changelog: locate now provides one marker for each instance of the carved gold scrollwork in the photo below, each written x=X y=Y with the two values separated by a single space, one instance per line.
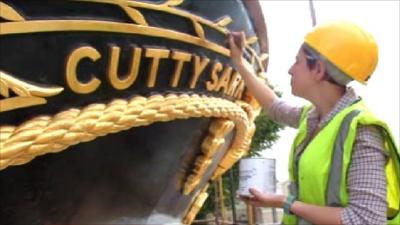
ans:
x=224 y=21
x=173 y=2
x=8 y=13
x=211 y=144
x=27 y=94
x=168 y=6
x=234 y=154
x=196 y=205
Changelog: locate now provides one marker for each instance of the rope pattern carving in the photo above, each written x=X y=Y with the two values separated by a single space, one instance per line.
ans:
x=46 y=134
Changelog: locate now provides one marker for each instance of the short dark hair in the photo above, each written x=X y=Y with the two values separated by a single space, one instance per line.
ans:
x=313 y=56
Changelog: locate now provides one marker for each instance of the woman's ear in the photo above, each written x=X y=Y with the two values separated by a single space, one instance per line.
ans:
x=320 y=69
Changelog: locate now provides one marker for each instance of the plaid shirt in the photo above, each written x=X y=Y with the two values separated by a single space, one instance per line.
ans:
x=366 y=182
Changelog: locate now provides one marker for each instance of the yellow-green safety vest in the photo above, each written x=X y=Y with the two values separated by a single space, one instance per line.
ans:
x=318 y=176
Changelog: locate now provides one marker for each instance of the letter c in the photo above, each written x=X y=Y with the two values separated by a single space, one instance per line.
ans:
x=71 y=77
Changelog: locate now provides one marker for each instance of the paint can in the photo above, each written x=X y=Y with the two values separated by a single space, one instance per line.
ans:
x=258 y=173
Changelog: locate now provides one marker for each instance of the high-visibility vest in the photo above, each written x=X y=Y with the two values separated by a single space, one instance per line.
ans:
x=318 y=176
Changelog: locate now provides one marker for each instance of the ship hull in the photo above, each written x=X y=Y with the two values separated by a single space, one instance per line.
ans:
x=120 y=112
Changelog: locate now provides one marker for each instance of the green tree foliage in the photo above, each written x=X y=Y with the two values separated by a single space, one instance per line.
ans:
x=266 y=134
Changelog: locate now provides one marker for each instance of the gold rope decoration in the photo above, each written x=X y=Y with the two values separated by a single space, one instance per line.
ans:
x=46 y=134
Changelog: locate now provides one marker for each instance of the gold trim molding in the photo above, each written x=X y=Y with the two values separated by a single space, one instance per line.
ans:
x=19 y=25
x=24 y=27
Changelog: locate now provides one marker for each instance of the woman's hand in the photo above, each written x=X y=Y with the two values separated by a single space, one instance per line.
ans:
x=264 y=200
x=260 y=90
x=236 y=45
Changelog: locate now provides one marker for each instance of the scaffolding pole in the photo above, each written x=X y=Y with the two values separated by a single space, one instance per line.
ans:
x=312 y=12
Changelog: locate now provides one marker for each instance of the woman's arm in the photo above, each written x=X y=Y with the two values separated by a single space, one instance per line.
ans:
x=366 y=181
x=264 y=94
x=277 y=110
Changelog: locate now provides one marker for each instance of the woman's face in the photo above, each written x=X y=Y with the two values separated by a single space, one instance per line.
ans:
x=302 y=80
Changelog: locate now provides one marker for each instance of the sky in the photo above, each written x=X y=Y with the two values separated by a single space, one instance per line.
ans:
x=288 y=21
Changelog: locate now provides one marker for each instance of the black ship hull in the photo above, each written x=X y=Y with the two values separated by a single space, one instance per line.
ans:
x=120 y=112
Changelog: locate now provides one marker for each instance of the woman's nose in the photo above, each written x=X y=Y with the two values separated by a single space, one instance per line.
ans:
x=290 y=71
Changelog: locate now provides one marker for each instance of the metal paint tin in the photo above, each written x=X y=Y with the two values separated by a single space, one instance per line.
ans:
x=258 y=173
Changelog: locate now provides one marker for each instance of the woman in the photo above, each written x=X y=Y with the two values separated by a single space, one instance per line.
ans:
x=344 y=165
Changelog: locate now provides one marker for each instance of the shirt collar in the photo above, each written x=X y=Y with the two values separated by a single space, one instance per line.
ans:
x=347 y=99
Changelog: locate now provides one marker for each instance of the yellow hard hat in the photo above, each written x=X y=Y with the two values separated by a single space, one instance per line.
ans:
x=347 y=46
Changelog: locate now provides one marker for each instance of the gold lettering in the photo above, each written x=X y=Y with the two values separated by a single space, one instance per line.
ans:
x=224 y=81
x=129 y=79
x=198 y=68
x=180 y=57
x=70 y=74
x=236 y=78
x=239 y=91
x=211 y=85
x=156 y=55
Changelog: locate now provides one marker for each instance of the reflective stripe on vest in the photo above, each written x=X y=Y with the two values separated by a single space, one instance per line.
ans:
x=332 y=194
